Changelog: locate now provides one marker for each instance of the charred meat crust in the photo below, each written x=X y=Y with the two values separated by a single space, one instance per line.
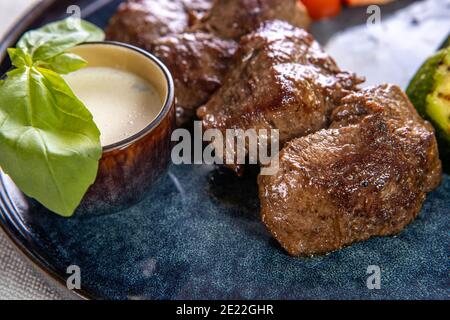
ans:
x=234 y=19
x=142 y=22
x=198 y=61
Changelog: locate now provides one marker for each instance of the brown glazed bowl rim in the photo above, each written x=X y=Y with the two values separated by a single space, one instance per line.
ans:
x=165 y=110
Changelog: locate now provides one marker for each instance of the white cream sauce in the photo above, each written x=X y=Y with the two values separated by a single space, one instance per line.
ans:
x=121 y=102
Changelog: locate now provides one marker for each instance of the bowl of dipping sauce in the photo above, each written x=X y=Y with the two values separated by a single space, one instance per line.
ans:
x=130 y=94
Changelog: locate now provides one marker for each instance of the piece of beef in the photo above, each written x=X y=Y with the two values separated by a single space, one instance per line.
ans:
x=281 y=79
x=197 y=62
x=142 y=22
x=366 y=176
x=236 y=18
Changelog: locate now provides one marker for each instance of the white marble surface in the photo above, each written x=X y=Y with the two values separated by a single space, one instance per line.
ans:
x=17 y=279
x=365 y=56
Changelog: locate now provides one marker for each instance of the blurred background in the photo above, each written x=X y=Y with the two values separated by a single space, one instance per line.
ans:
x=10 y=10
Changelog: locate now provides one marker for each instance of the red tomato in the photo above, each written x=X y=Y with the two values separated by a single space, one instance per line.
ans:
x=319 y=9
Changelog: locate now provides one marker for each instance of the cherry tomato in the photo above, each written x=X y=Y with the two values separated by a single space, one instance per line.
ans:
x=320 y=9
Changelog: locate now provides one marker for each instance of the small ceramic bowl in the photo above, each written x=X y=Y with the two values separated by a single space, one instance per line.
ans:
x=128 y=168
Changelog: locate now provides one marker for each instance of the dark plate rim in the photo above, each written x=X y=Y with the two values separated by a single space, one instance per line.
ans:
x=10 y=222
x=19 y=27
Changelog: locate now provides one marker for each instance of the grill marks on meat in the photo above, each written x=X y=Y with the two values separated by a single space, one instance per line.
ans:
x=366 y=176
x=193 y=39
x=389 y=100
x=198 y=62
x=143 y=22
x=235 y=18
x=281 y=79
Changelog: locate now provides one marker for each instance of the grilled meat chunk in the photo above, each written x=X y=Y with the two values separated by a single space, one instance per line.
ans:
x=366 y=176
x=142 y=22
x=197 y=62
x=236 y=18
x=192 y=37
x=281 y=79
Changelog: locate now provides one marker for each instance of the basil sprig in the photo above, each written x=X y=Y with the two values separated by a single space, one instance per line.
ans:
x=49 y=143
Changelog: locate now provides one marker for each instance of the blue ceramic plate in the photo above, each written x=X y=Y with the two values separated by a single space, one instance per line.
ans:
x=197 y=234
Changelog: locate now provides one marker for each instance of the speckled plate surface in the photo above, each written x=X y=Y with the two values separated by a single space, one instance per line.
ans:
x=197 y=234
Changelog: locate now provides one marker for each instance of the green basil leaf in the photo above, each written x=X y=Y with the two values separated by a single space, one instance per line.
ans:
x=55 y=38
x=19 y=58
x=64 y=63
x=50 y=145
